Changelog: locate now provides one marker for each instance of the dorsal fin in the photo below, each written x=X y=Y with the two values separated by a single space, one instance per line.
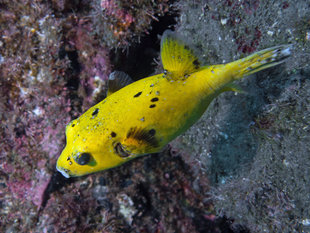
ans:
x=179 y=61
x=118 y=80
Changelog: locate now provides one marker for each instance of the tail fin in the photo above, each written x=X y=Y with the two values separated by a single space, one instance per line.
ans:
x=260 y=60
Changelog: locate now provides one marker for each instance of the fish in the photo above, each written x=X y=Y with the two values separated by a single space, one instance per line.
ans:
x=142 y=117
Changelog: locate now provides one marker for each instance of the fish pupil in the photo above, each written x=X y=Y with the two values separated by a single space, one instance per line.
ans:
x=152 y=132
x=83 y=159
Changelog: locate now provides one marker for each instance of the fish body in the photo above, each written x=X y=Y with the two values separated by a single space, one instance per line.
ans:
x=141 y=117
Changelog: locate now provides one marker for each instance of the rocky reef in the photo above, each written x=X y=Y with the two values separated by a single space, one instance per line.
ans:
x=243 y=167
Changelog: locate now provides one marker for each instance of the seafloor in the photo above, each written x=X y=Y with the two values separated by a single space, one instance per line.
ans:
x=244 y=167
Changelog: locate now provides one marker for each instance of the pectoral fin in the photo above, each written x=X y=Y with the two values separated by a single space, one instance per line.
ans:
x=141 y=139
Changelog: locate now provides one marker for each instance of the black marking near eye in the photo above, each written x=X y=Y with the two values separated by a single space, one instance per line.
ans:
x=152 y=105
x=196 y=63
x=154 y=99
x=73 y=125
x=144 y=136
x=95 y=112
x=118 y=148
x=152 y=132
x=68 y=158
x=83 y=158
x=138 y=94
x=113 y=134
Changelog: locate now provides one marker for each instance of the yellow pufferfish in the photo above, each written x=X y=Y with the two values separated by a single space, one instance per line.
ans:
x=141 y=117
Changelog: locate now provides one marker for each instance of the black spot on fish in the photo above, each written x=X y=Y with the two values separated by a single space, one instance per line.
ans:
x=95 y=112
x=119 y=149
x=143 y=135
x=83 y=158
x=138 y=94
x=152 y=132
x=73 y=125
x=68 y=158
x=196 y=63
x=154 y=99
x=152 y=105
x=113 y=134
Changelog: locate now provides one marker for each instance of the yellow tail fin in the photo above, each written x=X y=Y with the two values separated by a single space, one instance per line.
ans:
x=260 y=60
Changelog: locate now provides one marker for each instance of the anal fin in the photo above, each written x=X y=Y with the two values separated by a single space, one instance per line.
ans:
x=231 y=87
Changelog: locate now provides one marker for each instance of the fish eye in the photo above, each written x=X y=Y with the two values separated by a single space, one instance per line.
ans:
x=83 y=158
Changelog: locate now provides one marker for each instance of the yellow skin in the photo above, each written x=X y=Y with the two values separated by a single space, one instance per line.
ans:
x=142 y=117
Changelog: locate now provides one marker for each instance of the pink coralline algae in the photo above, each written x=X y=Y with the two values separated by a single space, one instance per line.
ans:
x=37 y=101
x=92 y=57
x=249 y=42
x=120 y=23
x=123 y=18
x=30 y=139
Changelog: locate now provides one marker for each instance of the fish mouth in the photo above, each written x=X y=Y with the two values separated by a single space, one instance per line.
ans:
x=63 y=171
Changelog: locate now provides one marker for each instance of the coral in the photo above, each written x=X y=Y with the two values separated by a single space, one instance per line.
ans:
x=158 y=193
x=119 y=23
x=92 y=65
x=37 y=99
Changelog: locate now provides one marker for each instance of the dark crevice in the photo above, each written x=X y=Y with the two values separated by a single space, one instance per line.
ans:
x=220 y=224
x=71 y=73
x=57 y=181
x=138 y=60
x=74 y=69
